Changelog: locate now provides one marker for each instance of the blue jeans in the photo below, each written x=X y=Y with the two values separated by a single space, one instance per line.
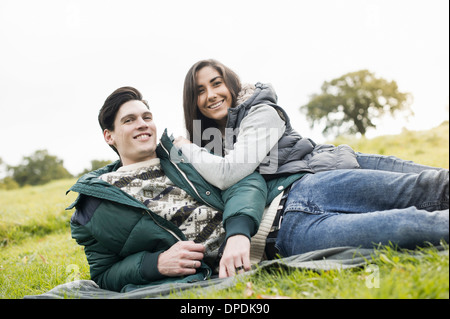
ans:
x=387 y=201
x=390 y=164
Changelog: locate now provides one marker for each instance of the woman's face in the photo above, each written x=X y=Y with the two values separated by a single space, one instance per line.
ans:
x=214 y=99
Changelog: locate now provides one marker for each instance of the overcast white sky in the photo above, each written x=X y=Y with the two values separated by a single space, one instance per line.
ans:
x=60 y=59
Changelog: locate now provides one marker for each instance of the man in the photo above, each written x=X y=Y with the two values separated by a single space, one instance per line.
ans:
x=147 y=219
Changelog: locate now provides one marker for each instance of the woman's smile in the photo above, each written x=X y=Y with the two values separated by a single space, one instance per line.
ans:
x=215 y=105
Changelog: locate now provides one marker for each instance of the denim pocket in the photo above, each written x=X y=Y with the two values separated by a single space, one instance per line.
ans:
x=300 y=198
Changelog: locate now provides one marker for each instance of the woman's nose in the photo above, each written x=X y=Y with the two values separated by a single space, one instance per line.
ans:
x=211 y=95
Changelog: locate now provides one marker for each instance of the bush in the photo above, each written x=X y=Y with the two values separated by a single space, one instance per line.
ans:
x=8 y=183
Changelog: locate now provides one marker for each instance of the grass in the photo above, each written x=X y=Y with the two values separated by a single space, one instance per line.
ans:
x=37 y=252
x=34 y=211
x=39 y=264
x=392 y=273
x=425 y=147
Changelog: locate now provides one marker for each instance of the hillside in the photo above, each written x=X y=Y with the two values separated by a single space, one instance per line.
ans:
x=430 y=147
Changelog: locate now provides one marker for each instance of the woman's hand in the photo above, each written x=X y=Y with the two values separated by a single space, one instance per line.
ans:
x=181 y=259
x=236 y=256
x=180 y=141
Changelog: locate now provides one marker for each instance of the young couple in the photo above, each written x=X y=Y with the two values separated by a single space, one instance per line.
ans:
x=175 y=211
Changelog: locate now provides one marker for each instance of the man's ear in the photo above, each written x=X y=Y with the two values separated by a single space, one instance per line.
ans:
x=107 y=135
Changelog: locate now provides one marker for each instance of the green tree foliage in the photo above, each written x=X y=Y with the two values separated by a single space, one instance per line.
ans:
x=95 y=164
x=8 y=183
x=38 y=169
x=349 y=104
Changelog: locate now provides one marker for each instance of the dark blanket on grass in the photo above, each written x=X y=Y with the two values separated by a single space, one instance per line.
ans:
x=321 y=260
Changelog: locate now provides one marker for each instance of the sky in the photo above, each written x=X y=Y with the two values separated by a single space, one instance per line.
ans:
x=60 y=59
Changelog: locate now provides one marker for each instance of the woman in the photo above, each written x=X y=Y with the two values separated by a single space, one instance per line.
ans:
x=331 y=202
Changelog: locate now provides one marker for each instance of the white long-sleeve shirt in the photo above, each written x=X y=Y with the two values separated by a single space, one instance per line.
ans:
x=256 y=144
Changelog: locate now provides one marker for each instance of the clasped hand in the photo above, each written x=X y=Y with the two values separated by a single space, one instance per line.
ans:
x=185 y=257
x=180 y=140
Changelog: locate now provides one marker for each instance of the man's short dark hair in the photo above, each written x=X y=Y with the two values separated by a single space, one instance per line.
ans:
x=112 y=104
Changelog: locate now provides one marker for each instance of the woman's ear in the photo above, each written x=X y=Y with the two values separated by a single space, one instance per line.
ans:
x=108 y=136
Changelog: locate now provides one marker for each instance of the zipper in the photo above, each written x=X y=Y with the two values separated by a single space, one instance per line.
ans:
x=185 y=177
x=208 y=271
x=166 y=229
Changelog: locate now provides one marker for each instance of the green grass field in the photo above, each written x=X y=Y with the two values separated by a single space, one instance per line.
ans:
x=37 y=252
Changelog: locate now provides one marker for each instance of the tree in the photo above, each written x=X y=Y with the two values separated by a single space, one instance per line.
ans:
x=38 y=169
x=6 y=182
x=95 y=164
x=1 y=164
x=349 y=104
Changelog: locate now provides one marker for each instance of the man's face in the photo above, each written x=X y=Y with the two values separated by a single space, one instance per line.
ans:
x=134 y=134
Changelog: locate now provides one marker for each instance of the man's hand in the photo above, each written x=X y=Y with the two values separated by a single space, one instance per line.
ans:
x=236 y=256
x=181 y=259
x=180 y=141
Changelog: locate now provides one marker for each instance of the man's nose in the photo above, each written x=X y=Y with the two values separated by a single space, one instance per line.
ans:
x=142 y=123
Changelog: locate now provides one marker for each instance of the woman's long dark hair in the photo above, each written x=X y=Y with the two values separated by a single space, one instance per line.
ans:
x=190 y=94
